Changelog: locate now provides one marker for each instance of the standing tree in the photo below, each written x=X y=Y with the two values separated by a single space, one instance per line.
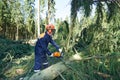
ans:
x=51 y=11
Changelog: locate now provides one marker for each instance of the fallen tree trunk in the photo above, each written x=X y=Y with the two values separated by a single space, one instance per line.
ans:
x=50 y=73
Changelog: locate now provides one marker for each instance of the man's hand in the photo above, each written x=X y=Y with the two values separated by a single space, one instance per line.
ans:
x=60 y=50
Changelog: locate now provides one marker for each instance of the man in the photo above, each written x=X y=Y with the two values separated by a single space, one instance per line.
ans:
x=41 y=48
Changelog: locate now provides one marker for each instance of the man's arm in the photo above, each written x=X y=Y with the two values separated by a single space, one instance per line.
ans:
x=54 y=44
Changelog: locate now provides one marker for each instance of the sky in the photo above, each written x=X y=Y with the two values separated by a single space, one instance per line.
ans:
x=62 y=8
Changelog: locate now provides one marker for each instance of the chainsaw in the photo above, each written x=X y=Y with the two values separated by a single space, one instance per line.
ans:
x=58 y=54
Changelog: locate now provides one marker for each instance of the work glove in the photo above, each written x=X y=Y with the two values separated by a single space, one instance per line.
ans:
x=60 y=50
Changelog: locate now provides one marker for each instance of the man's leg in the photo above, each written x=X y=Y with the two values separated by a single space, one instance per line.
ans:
x=45 y=65
x=37 y=64
x=45 y=62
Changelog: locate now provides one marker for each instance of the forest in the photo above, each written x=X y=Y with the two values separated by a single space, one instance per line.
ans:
x=89 y=38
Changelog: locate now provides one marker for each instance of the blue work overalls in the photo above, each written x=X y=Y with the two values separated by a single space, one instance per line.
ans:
x=41 y=50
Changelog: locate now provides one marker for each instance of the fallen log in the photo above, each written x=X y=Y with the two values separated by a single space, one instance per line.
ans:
x=50 y=73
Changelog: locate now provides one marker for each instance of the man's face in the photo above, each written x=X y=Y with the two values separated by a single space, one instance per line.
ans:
x=51 y=32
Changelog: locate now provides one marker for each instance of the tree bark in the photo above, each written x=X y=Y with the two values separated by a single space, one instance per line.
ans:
x=50 y=73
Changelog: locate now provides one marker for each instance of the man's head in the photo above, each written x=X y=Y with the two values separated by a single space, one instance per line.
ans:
x=50 y=29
